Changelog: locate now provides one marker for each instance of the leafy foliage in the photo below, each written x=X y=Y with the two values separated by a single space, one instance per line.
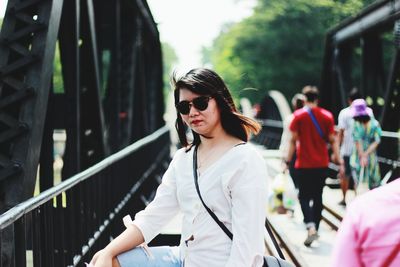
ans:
x=58 y=82
x=169 y=59
x=280 y=47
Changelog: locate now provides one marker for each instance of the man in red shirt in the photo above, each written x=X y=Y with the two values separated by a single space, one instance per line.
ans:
x=312 y=128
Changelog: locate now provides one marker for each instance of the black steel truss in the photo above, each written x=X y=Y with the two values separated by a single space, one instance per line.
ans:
x=355 y=56
x=28 y=38
x=112 y=86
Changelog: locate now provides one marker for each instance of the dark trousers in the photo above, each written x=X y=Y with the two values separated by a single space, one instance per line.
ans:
x=311 y=183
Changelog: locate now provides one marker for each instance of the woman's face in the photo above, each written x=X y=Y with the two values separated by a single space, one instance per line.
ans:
x=204 y=122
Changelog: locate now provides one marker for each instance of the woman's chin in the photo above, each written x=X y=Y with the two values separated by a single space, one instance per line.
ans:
x=200 y=131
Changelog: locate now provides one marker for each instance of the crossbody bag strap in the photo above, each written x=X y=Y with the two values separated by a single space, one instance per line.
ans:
x=315 y=122
x=212 y=214
x=223 y=227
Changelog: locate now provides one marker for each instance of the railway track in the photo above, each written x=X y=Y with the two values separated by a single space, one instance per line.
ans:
x=288 y=250
x=331 y=217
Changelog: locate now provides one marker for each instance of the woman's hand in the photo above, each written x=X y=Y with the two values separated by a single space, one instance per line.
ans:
x=127 y=240
x=364 y=159
x=341 y=170
x=101 y=259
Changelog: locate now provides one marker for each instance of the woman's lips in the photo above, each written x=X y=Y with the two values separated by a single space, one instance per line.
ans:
x=195 y=122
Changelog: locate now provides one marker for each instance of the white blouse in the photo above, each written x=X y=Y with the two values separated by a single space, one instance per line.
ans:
x=234 y=188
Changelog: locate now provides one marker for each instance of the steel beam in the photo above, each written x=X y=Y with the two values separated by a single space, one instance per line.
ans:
x=28 y=67
x=366 y=30
x=376 y=18
x=372 y=70
x=69 y=36
x=93 y=134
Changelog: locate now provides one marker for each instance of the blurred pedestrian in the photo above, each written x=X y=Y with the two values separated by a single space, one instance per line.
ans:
x=369 y=234
x=367 y=136
x=312 y=128
x=345 y=125
x=297 y=103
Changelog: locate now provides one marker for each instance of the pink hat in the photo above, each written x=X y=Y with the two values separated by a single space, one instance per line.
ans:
x=359 y=108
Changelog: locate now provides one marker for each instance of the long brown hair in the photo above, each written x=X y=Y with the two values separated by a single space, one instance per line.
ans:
x=204 y=81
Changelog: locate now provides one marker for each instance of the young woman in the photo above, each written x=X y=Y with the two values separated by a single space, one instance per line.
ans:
x=367 y=136
x=231 y=178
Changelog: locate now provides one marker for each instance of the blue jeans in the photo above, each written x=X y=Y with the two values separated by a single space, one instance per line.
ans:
x=163 y=256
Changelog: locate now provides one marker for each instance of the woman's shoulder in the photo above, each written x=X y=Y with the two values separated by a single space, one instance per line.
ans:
x=246 y=152
x=357 y=126
x=375 y=123
x=182 y=152
x=246 y=162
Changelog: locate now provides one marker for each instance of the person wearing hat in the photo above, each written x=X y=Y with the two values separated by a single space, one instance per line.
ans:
x=367 y=136
x=345 y=135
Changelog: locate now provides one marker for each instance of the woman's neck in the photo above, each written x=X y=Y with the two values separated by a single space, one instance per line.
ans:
x=211 y=149
x=220 y=139
x=366 y=124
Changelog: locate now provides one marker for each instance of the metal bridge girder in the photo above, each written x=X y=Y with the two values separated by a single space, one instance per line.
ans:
x=377 y=79
x=28 y=39
x=90 y=104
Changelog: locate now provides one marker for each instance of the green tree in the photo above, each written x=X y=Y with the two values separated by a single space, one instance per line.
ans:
x=279 y=47
x=58 y=82
x=169 y=60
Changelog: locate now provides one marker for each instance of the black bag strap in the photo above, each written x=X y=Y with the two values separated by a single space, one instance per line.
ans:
x=223 y=227
x=274 y=241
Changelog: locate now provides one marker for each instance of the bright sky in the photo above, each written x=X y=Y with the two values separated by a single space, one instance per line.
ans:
x=3 y=4
x=188 y=25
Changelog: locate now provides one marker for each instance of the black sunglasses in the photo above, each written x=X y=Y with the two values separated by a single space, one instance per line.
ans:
x=200 y=103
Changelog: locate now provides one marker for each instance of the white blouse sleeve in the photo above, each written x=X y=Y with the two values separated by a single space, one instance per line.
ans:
x=163 y=207
x=249 y=194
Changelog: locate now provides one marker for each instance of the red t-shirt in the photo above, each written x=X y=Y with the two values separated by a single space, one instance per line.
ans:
x=311 y=149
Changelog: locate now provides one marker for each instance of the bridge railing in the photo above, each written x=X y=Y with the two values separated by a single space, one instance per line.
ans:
x=390 y=166
x=270 y=134
x=64 y=225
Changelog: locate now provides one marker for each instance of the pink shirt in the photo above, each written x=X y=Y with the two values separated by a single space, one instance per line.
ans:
x=370 y=229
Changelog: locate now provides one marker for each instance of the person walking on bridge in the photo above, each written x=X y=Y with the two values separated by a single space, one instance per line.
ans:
x=367 y=137
x=312 y=128
x=231 y=180
x=346 y=125
x=297 y=103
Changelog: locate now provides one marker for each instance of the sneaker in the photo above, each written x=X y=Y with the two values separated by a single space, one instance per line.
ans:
x=342 y=203
x=310 y=238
